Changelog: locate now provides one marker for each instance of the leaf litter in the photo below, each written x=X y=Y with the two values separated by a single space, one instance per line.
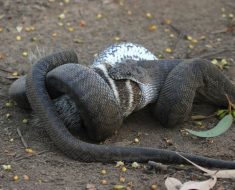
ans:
x=223 y=125
x=174 y=184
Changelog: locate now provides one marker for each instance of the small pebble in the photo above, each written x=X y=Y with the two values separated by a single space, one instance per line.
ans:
x=15 y=178
x=104 y=182
x=25 y=121
x=8 y=115
x=190 y=46
x=124 y=169
x=82 y=23
x=9 y=104
x=26 y=178
x=153 y=187
x=122 y=179
x=152 y=27
x=25 y=53
x=18 y=38
x=167 y=21
x=129 y=12
x=61 y=16
x=99 y=16
x=54 y=34
x=136 y=140
x=168 y=50
x=29 y=150
x=71 y=29
x=148 y=15
x=116 y=38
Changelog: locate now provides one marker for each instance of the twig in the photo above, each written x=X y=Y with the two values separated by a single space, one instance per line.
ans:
x=176 y=30
x=180 y=36
x=210 y=54
x=200 y=117
x=230 y=104
x=220 y=31
x=12 y=77
x=30 y=155
x=4 y=70
x=22 y=138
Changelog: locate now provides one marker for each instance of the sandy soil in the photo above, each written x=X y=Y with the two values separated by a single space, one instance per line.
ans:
x=89 y=27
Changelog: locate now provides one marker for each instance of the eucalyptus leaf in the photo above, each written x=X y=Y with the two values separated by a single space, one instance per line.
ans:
x=224 y=124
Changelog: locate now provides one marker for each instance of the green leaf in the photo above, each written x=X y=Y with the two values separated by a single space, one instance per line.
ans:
x=223 y=125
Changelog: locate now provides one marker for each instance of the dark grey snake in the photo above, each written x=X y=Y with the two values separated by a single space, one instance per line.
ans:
x=119 y=83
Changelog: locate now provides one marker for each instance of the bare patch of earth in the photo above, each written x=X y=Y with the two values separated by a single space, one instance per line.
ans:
x=89 y=27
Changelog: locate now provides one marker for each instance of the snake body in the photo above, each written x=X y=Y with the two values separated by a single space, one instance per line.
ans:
x=111 y=89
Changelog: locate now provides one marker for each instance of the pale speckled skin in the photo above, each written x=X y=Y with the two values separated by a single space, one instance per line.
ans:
x=116 y=55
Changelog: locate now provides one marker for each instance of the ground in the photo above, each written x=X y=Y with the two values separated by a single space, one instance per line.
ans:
x=88 y=27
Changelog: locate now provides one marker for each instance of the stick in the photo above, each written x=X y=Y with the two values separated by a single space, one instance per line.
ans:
x=30 y=155
x=176 y=30
x=4 y=70
x=230 y=104
x=210 y=54
x=180 y=36
x=22 y=138
x=220 y=31
x=201 y=117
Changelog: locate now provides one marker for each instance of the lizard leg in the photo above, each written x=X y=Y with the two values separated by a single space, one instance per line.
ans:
x=181 y=85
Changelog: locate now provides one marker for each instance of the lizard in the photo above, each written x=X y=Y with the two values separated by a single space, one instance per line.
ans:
x=170 y=84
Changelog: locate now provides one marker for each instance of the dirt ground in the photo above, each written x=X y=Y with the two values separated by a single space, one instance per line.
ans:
x=90 y=26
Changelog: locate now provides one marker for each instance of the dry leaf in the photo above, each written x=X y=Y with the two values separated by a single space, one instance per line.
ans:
x=135 y=165
x=19 y=28
x=216 y=173
x=222 y=173
x=199 y=167
x=199 y=185
x=6 y=167
x=119 y=187
x=119 y=163
x=90 y=187
x=172 y=183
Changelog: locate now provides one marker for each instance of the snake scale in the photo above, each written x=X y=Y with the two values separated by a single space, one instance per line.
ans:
x=123 y=78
